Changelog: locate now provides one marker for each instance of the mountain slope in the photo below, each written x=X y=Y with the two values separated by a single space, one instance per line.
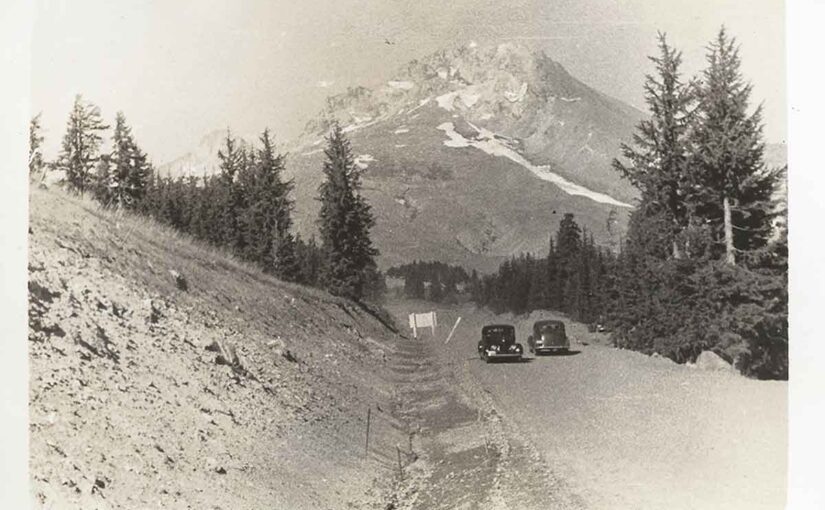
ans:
x=529 y=101
x=238 y=392
x=472 y=154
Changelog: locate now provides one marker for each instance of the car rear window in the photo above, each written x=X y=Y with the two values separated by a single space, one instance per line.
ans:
x=496 y=333
x=551 y=327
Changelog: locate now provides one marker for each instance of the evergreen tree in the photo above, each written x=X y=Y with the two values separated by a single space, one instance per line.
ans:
x=309 y=259
x=474 y=286
x=555 y=290
x=345 y=220
x=274 y=192
x=658 y=160
x=36 y=162
x=229 y=198
x=734 y=185
x=102 y=182
x=81 y=144
x=436 y=288
x=130 y=168
x=568 y=252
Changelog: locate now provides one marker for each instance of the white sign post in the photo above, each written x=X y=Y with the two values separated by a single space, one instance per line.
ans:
x=423 y=320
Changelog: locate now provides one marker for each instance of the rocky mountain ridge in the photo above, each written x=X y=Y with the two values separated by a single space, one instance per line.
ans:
x=470 y=155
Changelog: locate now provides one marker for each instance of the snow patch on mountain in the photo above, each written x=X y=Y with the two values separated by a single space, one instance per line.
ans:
x=469 y=99
x=487 y=142
x=362 y=161
x=401 y=130
x=403 y=85
x=355 y=127
x=445 y=101
x=420 y=104
x=469 y=96
x=515 y=97
x=361 y=120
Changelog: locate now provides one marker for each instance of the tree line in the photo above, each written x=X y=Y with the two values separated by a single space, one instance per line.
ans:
x=245 y=208
x=571 y=278
x=704 y=262
x=432 y=280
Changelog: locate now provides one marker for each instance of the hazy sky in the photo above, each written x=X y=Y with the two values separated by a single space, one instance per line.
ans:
x=181 y=68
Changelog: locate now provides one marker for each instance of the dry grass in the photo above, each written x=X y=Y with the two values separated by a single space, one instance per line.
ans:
x=179 y=249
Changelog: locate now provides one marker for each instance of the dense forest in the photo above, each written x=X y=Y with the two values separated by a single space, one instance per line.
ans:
x=571 y=278
x=245 y=208
x=433 y=280
x=705 y=260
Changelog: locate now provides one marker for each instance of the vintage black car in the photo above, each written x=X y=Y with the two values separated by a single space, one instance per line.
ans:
x=548 y=336
x=498 y=341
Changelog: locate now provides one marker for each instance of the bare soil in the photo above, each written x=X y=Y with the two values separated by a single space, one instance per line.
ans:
x=239 y=392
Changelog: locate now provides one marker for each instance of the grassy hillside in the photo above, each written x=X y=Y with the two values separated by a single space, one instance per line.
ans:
x=240 y=391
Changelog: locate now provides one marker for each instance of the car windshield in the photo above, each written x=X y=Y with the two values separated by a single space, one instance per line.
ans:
x=499 y=334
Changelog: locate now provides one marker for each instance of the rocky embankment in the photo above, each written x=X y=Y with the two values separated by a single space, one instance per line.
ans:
x=165 y=374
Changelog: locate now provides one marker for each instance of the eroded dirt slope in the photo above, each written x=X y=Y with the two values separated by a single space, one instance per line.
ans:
x=238 y=392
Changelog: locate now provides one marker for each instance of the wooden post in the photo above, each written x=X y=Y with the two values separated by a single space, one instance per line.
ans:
x=400 y=470
x=452 y=330
x=367 y=445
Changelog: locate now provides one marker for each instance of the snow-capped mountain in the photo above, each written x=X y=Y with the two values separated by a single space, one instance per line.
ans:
x=469 y=155
x=517 y=95
x=203 y=159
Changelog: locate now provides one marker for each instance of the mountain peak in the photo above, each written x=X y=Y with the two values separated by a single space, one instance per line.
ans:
x=491 y=80
x=473 y=148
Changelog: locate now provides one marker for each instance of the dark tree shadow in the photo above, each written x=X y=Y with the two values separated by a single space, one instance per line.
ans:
x=511 y=360
x=557 y=353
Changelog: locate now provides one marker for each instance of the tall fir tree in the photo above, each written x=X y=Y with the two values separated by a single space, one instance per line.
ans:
x=735 y=187
x=36 y=162
x=130 y=168
x=229 y=197
x=268 y=211
x=345 y=220
x=285 y=263
x=568 y=251
x=102 y=181
x=657 y=162
x=80 y=150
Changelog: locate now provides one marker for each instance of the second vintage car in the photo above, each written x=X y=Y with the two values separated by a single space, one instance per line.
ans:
x=548 y=336
x=498 y=341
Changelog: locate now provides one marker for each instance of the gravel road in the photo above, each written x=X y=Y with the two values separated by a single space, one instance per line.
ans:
x=624 y=430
